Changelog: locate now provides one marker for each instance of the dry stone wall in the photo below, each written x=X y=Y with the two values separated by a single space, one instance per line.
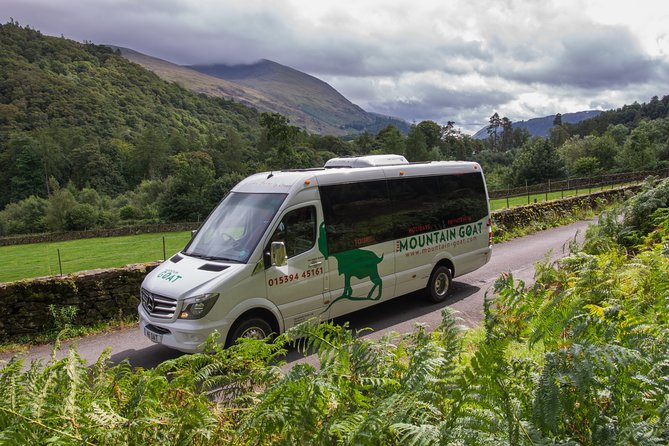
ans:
x=98 y=295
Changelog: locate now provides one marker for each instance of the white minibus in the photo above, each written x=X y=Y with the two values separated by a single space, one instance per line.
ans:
x=286 y=246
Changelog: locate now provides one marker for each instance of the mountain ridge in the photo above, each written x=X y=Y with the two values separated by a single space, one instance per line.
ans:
x=268 y=86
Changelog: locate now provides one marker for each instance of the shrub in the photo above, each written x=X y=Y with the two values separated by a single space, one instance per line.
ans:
x=81 y=217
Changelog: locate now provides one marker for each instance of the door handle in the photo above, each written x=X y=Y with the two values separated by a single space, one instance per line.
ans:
x=315 y=264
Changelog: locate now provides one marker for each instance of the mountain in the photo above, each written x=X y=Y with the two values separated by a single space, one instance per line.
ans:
x=541 y=126
x=268 y=86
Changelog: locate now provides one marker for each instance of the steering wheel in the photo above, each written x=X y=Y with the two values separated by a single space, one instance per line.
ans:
x=227 y=237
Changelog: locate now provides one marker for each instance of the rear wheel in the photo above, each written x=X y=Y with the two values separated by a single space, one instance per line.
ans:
x=251 y=328
x=439 y=284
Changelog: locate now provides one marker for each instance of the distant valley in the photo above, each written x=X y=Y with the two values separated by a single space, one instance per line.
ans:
x=268 y=86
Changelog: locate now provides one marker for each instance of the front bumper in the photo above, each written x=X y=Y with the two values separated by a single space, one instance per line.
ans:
x=183 y=335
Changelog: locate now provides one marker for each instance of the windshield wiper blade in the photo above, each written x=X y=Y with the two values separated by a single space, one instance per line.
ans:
x=213 y=258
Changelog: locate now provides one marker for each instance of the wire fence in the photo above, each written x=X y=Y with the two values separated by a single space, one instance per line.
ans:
x=571 y=186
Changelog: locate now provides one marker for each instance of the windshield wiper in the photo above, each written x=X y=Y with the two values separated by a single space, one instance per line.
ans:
x=212 y=258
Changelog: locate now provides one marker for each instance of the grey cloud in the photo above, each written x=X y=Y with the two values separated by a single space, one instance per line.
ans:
x=434 y=102
x=600 y=57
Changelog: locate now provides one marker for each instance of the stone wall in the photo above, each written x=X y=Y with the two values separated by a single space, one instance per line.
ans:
x=506 y=219
x=98 y=295
x=102 y=295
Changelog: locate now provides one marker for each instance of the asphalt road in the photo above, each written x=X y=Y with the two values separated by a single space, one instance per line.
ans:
x=399 y=315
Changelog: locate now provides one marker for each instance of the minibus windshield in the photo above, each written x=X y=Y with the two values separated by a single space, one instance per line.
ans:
x=234 y=228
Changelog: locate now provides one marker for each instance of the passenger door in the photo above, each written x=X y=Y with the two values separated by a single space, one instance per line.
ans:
x=297 y=288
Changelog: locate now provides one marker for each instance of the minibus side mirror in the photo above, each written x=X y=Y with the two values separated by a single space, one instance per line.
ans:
x=278 y=254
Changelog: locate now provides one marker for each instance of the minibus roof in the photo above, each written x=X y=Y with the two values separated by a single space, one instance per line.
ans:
x=283 y=181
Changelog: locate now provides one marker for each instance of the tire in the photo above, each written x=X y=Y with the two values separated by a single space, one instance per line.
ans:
x=253 y=327
x=439 y=284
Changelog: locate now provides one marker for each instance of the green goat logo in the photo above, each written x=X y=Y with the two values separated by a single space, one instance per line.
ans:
x=357 y=263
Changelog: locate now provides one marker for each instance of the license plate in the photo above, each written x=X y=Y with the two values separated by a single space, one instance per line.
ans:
x=155 y=337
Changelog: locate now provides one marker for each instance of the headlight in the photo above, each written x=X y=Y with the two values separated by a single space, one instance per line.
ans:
x=197 y=307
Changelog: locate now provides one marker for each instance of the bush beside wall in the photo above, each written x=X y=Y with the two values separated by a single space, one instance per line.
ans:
x=102 y=295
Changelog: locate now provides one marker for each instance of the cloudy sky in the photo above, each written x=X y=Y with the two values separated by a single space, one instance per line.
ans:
x=457 y=60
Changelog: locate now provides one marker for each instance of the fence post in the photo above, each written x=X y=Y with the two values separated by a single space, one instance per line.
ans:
x=507 y=197
x=60 y=265
x=164 y=253
x=549 y=188
x=527 y=189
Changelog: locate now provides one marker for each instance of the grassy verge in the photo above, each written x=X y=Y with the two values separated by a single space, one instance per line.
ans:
x=67 y=332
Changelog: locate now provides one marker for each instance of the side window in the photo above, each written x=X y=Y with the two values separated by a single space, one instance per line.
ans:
x=356 y=215
x=297 y=230
x=429 y=203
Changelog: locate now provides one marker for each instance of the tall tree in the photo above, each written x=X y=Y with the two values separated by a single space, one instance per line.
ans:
x=507 y=133
x=494 y=124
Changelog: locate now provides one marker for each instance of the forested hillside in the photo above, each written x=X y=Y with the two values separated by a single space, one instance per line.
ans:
x=83 y=113
x=627 y=115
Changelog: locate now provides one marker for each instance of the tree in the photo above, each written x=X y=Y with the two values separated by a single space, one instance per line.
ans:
x=332 y=144
x=186 y=197
x=520 y=136
x=365 y=143
x=148 y=156
x=432 y=132
x=276 y=132
x=586 y=166
x=494 y=124
x=416 y=147
x=507 y=133
x=60 y=203
x=22 y=174
x=638 y=152
x=81 y=217
x=557 y=121
x=25 y=216
x=558 y=135
x=390 y=140
x=537 y=162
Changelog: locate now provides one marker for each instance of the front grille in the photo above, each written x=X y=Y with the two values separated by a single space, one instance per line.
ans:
x=158 y=306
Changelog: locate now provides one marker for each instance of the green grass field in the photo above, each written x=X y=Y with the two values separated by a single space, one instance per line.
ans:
x=41 y=259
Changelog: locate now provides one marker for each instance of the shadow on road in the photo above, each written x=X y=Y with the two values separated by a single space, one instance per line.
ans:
x=146 y=358
x=396 y=311
x=403 y=308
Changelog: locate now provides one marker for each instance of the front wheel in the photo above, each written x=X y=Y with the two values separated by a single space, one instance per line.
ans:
x=252 y=328
x=439 y=284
